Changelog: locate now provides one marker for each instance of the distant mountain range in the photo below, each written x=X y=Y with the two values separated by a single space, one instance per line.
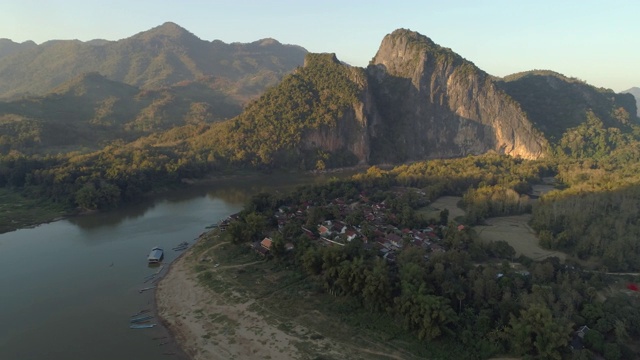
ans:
x=66 y=95
x=162 y=56
x=415 y=100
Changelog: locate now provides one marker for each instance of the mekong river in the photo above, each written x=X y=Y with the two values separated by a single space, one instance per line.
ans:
x=68 y=288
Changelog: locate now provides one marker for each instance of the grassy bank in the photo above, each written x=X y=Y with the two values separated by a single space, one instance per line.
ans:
x=17 y=211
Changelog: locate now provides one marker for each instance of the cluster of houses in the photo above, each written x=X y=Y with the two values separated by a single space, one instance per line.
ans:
x=376 y=235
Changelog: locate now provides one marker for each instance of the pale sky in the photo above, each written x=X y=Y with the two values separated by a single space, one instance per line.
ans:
x=595 y=41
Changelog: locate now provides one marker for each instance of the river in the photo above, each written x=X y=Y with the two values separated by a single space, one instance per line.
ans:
x=68 y=288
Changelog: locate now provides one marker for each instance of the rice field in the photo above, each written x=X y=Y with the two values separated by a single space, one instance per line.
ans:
x=444 y=202
x=515 y=230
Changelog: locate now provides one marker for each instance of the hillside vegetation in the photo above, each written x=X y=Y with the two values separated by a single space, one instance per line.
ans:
x=556 y=103
x=271 y=130
x=89 y=112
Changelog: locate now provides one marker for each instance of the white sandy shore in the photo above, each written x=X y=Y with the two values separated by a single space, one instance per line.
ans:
x=206 y=327
x=211 y=326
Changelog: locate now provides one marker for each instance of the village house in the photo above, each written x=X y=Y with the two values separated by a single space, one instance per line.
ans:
x=266 y=243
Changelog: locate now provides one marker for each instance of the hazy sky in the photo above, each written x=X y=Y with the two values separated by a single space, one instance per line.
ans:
x=596 y=41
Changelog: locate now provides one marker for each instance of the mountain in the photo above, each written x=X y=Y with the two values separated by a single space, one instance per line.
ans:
x=555 y=103
x=91 y=111
x=635 y=91
x=434 y=103
x=415 y=100
x=162 y=56
x=315 y=117
x=8 y=47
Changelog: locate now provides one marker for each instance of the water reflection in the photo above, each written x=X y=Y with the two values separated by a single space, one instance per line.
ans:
x=236 y=190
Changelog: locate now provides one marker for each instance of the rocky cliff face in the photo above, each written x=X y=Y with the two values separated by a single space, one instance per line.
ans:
x=350 y=133
x=433 y=103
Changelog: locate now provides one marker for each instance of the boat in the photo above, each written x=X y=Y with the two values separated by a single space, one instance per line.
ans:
x=141 y=318
x=140 y=312
x=141 y=326
x=145 y=289
x=182 y=246
x=155 y=256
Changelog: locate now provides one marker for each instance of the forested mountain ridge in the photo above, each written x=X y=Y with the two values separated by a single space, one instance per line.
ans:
x=152 y=59
x=313 y=119
x=556 y=103
x=88 y=112
x=415 y=100
x=635 y=91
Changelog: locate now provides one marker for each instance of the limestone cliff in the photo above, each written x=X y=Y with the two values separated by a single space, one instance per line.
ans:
x=434 y=103
x=349 y=134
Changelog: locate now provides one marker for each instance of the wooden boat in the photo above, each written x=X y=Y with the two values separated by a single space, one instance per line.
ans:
x=141 y=326
x=182 y=246
x=147 y=288
x=141 y=318
x=141 y=312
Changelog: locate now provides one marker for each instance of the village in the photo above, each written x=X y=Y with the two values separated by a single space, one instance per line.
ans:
x=375 y=230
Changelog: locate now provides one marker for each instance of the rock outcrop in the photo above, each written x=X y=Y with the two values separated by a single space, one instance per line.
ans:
x=436 y=104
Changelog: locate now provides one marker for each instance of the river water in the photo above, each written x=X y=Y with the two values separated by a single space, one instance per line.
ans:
x=68 y=288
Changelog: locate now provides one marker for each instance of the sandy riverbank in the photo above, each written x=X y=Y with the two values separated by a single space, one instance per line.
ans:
x=207 y=327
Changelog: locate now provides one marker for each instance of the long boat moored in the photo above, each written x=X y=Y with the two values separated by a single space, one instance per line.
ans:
x=141 y=318
x=141 y=326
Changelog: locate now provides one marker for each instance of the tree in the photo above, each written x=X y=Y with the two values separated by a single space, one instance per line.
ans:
x=536 y=332
x=377 y=290
x=444 y=217
x=254 y=226
x=429 y=315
